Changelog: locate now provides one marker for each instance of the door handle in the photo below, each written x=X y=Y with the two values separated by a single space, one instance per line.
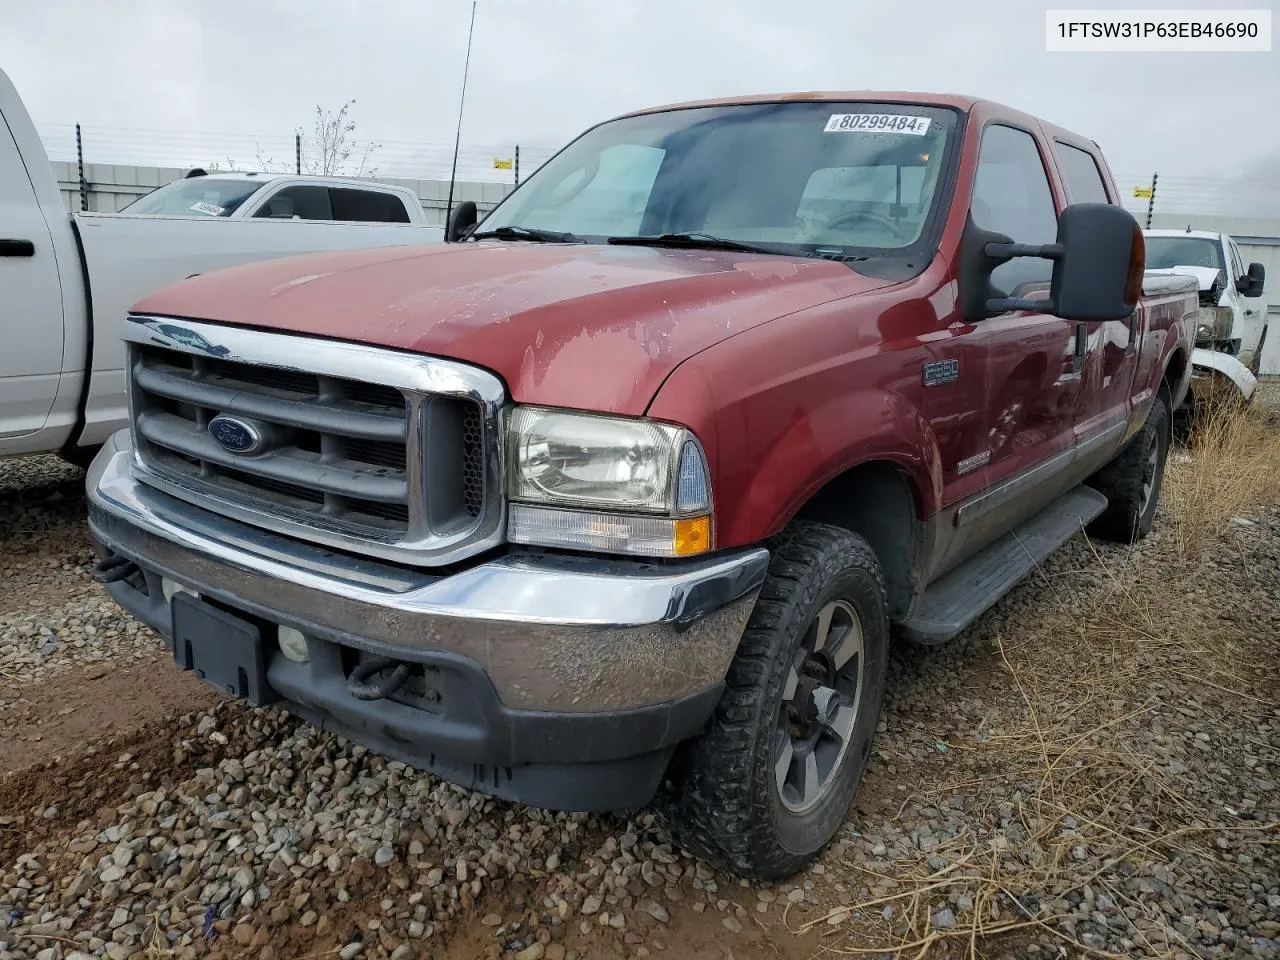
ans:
x=17 y=248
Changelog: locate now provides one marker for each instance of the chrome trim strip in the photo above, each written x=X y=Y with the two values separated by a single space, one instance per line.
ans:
x=998 y=496
x=983 y=503
x=368 y=426
x=329 y=358
x=1100 y=438
x=173 y=434
x=420 y=377
x=568 y=633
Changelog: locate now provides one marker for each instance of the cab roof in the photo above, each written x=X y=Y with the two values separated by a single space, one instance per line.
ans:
x=1194 y=234
x=956 y=101
x=961 y=102
x=266 y=177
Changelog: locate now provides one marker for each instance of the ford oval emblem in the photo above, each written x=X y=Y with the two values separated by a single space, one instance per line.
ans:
x=235 y=435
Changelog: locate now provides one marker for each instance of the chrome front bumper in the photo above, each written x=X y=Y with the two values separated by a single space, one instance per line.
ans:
x=569 y=635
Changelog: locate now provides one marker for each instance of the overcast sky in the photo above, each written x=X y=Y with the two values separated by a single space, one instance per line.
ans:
x=543 y=69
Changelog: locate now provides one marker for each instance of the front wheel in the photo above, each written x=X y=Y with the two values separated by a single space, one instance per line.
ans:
x=1132 y=481
x=772 y=779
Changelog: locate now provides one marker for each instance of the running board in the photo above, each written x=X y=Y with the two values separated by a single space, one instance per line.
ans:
x=959 y=597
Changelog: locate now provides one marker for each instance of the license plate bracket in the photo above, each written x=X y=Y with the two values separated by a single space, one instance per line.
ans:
x=222 y=650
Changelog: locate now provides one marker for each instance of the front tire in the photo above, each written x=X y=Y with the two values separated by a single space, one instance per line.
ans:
x=772 y=779
x=1132 y=481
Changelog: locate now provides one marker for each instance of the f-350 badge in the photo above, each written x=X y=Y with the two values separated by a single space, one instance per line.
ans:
x=938 y=372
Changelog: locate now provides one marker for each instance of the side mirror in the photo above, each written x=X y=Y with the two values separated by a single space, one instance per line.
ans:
x=1251 y=284
x=461 y=220
x=1098 y=264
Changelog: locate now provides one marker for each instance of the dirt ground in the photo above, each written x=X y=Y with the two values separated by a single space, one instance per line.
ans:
x=1090 y=771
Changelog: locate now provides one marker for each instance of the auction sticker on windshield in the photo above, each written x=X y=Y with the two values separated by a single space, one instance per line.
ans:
x=212 y=209
x=877 y=123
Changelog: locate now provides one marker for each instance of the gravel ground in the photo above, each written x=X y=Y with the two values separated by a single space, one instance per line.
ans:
x=53 y=616
x=1090 y=771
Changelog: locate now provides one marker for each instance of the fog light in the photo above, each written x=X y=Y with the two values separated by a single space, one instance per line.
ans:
x=293 y=645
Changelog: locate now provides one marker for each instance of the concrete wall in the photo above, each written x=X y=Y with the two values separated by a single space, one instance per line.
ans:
x=1259 y=240
x=112 y=187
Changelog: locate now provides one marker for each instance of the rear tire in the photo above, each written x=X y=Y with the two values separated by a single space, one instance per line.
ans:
x=772 y=779
x=1132 y=481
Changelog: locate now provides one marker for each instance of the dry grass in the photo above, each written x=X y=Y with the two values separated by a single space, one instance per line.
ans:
x=1233 y=465
x=1065 y=790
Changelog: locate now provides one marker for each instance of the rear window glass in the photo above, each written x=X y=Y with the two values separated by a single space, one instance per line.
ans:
x=367 y=206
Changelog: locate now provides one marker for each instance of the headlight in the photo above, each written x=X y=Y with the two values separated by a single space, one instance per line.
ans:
x=615 y=484
x=1213 y=323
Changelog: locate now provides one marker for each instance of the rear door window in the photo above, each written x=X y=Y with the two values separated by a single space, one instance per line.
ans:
x=1084 y=179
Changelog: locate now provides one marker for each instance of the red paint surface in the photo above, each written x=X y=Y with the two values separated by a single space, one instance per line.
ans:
x=593 y=327
x=790 y=371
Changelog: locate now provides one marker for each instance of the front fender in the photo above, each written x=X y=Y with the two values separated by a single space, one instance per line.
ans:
x=817 y=447
x=1204 y=363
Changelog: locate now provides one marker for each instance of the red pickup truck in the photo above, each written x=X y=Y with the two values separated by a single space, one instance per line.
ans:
x=622 y=493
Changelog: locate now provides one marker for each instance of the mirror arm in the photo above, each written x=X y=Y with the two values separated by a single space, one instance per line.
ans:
x=1002 y=252
x=1005 y=304
x=1007 y=251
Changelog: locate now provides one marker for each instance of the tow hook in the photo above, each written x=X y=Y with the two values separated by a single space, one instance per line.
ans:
x=114 y=568
x=360 y=682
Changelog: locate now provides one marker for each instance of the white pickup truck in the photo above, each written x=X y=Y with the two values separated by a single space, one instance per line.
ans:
x=1229 y=331
x=67 y=281
x=273 y=196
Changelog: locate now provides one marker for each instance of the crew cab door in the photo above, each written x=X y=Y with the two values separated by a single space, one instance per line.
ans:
x=31 y=310
x=1020 y=370
x=1111 y=348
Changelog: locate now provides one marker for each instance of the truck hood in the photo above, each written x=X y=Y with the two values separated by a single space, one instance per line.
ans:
x=1205 y=276
x=594 y=327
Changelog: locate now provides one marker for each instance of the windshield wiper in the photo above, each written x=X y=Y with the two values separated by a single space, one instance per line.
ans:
x=527 y=233
x=699 y=241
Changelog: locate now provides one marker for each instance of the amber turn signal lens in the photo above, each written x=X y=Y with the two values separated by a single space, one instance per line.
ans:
x=692 y=535
x=1137 y=267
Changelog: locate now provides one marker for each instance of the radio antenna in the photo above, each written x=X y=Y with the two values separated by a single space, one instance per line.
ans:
x=453 y=176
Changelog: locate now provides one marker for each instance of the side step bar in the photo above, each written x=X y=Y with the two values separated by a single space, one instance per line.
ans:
x=962 y=595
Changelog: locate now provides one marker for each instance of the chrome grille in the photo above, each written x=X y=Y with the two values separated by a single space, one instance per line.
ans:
x=406 y=468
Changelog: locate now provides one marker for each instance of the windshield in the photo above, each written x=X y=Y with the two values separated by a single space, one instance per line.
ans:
x=1164 y=253
x=196 y=197
x=796 y=177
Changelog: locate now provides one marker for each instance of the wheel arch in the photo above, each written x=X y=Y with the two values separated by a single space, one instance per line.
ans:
x=878 y=500
x=1176 y=380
